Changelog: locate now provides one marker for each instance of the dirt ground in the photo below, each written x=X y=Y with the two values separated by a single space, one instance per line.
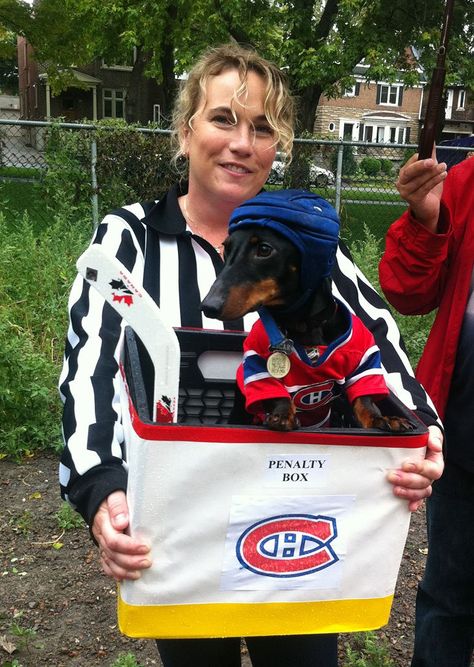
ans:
x=56 y=608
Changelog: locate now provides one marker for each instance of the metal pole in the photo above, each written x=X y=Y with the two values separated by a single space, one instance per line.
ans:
x=337 y=204
x=95 y=196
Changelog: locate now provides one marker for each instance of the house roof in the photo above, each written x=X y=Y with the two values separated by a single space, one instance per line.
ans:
x=82 y=77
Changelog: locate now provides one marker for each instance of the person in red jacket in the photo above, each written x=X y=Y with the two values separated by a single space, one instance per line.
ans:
x=428 y=264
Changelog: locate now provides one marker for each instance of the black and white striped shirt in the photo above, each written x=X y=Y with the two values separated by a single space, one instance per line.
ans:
x=177 y=269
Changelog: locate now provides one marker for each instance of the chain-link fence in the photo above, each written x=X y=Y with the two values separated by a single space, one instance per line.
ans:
x=84 y=170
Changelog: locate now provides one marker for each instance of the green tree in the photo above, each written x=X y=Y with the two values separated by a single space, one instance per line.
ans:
x=318 y=42
x=8 y=63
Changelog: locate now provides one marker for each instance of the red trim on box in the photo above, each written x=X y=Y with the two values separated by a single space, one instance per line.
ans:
x=242 y=435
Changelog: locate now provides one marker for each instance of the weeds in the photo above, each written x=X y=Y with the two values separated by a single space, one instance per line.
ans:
x=126 y=660
x=24 y=635
x=37 y=271
x=68 y=519
x=22 y=524
x=368 y=651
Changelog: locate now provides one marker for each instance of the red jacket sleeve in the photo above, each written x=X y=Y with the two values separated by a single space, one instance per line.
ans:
x=414 y=265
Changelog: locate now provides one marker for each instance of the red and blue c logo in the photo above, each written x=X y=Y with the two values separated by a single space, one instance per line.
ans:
x=314 y=395
x=290 y=545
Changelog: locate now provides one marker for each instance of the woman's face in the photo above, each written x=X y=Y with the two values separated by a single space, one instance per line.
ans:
x=229 y=161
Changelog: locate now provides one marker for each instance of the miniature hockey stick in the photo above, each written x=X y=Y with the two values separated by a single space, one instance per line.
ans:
x=114 y=282
x=435 y=97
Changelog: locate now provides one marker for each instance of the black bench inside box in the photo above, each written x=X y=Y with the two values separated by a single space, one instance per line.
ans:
x=210 y=400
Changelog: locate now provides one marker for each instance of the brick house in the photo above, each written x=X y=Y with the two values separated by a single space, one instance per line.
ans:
x=382 y=112
x=100 y=92
x=459 y=113
x=372 y=112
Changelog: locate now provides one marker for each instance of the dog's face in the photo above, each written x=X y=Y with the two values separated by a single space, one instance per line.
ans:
x=262 y=268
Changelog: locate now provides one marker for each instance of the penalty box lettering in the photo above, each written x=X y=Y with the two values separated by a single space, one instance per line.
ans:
x=296 y=469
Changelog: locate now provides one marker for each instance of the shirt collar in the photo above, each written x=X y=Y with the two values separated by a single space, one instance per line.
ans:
x=165 y=216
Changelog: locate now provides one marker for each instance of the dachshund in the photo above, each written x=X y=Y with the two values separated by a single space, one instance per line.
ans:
x=317 y=333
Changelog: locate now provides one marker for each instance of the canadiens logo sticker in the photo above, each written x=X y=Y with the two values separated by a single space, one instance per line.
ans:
x=121 y=292
x=289 y=545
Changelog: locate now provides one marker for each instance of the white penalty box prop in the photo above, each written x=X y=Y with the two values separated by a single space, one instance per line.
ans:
x=255 y=532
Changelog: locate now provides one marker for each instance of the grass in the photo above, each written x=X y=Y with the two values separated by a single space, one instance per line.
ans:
x=21 y=172
x=377 y=217
x=19 y=197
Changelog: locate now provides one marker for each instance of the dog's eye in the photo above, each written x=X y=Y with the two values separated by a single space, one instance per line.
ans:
x=264 y=250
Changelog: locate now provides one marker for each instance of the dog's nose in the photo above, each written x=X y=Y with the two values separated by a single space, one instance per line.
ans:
x=211 y=307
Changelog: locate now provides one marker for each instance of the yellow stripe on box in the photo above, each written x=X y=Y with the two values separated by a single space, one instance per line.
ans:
x=246 y=620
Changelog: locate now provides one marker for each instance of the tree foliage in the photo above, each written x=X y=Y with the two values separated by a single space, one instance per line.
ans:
x=318 y=42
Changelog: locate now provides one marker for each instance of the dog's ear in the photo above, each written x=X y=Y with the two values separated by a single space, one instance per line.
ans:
x=322 y=304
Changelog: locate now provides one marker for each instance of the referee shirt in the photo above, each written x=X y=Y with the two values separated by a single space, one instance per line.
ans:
x=177 y=268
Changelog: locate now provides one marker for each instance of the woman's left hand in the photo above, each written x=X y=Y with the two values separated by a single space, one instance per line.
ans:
x=413 y=480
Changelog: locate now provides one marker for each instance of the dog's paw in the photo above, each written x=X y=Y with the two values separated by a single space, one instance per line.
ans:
x=396 y=424
x=279 y=422
x=280 y=414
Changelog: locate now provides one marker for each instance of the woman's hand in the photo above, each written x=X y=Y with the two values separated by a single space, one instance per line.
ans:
x=121 y=556
x=413 y=480
x=420 y=183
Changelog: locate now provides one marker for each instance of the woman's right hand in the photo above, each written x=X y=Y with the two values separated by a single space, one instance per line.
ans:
x=121 y=556
x=420 y=183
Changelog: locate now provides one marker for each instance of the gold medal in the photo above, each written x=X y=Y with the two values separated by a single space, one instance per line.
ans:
x=278 y=365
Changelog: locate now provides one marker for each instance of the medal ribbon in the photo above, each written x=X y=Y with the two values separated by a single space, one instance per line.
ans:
x=278 y=342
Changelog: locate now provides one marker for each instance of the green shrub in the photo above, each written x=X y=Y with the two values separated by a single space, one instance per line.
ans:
x=131 y=166
x=371 y=166
x=407 y=155
x=37 y=271
x=386 y=166
x=349 y=164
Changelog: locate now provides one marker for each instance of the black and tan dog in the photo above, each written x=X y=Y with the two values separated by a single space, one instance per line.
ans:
x=307 y=347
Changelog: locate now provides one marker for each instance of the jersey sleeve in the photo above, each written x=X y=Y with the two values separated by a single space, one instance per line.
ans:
x=253 y=378
x=92 y=462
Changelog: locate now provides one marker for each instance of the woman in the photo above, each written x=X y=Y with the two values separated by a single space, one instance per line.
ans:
x=232 y=114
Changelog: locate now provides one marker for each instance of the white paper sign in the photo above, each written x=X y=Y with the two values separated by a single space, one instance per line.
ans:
x=287 y=542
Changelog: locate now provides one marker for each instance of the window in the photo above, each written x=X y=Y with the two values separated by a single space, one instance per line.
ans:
x=156 y=113
x=331 y=127
x=461 y=100
x=389 y=95
x=448 y=113
x=386 y=133
x=125 y=65
x=353 y=91
x=114 y=103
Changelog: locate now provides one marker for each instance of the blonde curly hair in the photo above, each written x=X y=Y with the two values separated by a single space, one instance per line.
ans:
x=278 y=104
